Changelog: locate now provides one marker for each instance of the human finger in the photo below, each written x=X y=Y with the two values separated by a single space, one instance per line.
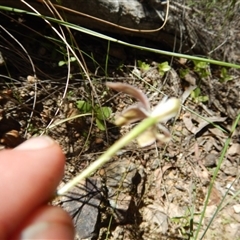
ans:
x=47 y=222
x=29 y=176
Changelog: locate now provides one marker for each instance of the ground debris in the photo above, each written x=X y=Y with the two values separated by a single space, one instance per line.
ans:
x=83 y=205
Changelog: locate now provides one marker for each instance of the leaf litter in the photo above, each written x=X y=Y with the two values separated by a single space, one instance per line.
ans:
x=166 y=181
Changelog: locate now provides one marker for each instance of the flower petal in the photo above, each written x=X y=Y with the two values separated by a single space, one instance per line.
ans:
x=130 y=115
x=166 y=110
x=130 y=90
x=150 y=136
x=147 y=138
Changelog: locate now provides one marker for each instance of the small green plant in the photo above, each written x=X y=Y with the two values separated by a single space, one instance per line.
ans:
x=197 y=97
x=225 y=76
x=101 y=113
x=70 y=94
x=64 y=62
x=32 y=129
x=183 y=72
x=202 y=68
x=143 y=66
x=186 y=222
x=163 y=68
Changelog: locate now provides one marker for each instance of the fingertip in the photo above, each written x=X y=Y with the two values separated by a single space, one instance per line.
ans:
x=42 y=147
x=36 y=143
x=48 y=223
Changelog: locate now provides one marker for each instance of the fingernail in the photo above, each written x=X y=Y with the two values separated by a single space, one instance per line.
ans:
x=34 y=231
x=36 y=143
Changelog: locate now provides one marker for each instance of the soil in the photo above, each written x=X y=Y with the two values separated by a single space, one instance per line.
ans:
x=156 y=192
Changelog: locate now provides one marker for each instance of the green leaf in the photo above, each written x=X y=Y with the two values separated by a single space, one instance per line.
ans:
x=197 y=97
x=72 y=59
x=143 y=66
x=164 y=67
x=183 y=72
x=225 y=76
x=202 y=68
x=84 y=106
x=70 y=94
x=61 y=63
x=102 y=113
x=196 y=93
x=200 y=64
x=100 y=124
x=203 y=98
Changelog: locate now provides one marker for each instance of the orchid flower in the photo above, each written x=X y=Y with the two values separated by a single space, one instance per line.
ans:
x=142 y=110
x=146 y=131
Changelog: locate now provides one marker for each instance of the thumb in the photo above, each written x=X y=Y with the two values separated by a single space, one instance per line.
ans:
x=29 y=174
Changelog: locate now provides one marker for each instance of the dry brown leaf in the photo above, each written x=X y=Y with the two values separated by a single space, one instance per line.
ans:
x=158 y=180
x=202 y=123
x=155 y=215
x=234 y=149
x=187 y=92
x=215 y=197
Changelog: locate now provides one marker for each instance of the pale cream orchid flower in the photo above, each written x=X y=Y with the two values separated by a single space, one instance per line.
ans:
x=164 y=111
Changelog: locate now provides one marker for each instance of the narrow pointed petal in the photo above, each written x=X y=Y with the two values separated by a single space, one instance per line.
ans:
x=130 y=90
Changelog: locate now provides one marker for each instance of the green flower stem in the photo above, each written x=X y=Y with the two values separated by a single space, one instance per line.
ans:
x=171 y=109
x=105 y=157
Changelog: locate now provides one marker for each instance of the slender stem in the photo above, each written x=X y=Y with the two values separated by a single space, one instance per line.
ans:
x=105 y=157
x=168 y=110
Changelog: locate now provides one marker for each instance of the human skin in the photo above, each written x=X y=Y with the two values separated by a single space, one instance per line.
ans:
x=29 y=176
